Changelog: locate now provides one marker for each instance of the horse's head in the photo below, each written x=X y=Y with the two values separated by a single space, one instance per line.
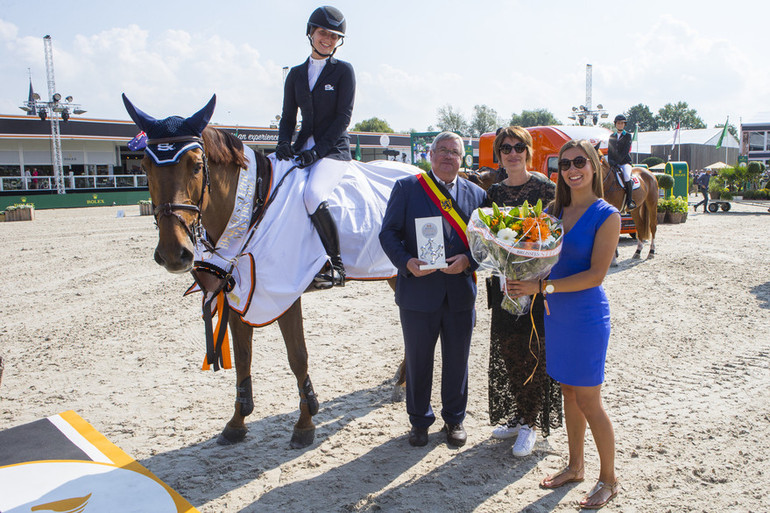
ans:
x=177 y=176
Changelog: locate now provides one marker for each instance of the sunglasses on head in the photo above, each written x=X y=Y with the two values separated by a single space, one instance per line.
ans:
x=519 y=147
x=579 y=162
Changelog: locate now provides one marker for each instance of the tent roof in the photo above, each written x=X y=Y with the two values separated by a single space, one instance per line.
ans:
x=704 y=136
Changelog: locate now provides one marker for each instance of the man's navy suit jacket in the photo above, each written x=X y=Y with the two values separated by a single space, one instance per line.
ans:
x=326 y=110
x=409 y=201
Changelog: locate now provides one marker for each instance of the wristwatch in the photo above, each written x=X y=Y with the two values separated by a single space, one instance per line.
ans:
x=548 y=287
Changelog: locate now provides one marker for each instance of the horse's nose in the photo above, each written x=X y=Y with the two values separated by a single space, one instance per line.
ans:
x=181 y=261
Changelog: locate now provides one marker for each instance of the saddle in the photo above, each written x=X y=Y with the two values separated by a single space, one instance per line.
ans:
x=619 y=177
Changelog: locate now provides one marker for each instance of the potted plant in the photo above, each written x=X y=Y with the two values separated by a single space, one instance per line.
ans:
x=676 y=210
x=715 y=187
x=20 y=212
x=145 y=207
x=662 y=210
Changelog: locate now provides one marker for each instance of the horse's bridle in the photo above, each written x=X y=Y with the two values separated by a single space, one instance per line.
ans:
x=169 y=209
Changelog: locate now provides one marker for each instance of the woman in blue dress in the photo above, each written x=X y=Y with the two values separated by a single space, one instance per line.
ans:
x=577 y=330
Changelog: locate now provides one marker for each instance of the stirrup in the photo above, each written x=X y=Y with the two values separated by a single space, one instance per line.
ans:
x=334 y=278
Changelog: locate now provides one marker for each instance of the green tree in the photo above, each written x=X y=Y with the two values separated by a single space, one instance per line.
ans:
x=640 y=115
x=537 y=117
x=484 y=120
x=373 y=125
x=669 y=115
x=451 y=120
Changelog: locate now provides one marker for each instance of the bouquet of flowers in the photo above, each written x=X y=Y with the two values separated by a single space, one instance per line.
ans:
x=519 y=243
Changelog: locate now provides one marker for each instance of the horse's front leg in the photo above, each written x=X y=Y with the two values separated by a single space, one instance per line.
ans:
x=236 y=429
x=639 y=247
x=294 y=338
x=614 y=262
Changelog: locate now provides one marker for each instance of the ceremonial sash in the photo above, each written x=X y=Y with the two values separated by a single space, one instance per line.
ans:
x=441 y=197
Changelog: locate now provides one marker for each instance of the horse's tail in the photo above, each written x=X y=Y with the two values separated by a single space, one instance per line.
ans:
x=645 y=215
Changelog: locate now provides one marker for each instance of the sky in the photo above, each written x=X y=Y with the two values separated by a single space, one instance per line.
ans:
x=410 y=57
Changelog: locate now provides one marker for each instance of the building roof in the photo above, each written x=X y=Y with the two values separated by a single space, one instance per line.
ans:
x=702 y=136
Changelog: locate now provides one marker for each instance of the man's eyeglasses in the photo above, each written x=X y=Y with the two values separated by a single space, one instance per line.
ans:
x=519 y=147
x=445 y=152
x=579 y=162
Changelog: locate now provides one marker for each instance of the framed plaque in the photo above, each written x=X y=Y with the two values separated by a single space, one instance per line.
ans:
x=430 y=242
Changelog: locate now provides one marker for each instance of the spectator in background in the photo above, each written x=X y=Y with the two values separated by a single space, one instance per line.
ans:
x=703 y=180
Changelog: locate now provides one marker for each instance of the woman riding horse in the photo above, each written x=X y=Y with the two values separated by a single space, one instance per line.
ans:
x=323 y=88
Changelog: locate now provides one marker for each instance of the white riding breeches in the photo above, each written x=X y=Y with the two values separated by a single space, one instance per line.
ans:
x=323 y=178
x=626 y=170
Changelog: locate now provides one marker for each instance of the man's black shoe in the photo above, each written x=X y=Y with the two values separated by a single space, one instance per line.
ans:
x=455 y=434
x=418 y=437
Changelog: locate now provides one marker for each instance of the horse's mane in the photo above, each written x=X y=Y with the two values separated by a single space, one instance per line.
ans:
x=223 y=148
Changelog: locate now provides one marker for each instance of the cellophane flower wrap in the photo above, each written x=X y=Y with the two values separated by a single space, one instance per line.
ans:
x=519 y=243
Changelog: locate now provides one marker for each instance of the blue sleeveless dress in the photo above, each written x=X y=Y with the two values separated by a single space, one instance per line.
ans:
x=578 y=330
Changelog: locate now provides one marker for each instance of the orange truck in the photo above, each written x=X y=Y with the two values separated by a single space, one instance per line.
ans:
x=547 y=141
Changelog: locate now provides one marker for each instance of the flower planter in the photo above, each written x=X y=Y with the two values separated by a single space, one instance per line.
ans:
x=684 y=217
x=674 y=217
x=715 y=194
x=661 y=217
x=20 y=214
x=145 y=209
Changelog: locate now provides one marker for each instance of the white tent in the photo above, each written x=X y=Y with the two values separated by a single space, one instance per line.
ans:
x=716 y=165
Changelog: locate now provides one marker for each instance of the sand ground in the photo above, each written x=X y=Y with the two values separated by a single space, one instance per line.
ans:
x=91 y=323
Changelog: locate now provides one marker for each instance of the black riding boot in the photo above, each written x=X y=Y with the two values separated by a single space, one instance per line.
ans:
x=630 y=205
x=330 y=238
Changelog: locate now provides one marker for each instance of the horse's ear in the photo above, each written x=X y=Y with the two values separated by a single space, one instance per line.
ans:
x=596 y=146
x=200 y=119
x=142 y=120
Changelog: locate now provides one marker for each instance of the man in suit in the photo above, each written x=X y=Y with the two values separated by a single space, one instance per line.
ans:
x=323 y=89
x=435 y=303
x=619 y=155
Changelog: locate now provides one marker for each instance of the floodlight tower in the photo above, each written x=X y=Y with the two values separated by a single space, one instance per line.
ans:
x=585 y=113
x=53 y=109
x=58 y=161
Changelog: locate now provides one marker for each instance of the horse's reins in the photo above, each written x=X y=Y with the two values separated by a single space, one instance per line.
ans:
x=169 y=209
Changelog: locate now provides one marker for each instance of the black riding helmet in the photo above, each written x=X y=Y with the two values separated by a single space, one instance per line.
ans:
x=329 y=18
x=620 y=117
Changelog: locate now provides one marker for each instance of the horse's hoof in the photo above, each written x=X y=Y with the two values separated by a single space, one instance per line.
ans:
x=614 y=263
x=650 y=256
x=230 y=436
x=637 y=256
x=399 y=394
x=302 y=438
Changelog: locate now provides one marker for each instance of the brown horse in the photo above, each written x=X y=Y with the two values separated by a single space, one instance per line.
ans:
x=645 y=215
x=199 y=189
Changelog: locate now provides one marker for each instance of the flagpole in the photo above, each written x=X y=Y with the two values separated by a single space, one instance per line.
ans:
x=679 y=151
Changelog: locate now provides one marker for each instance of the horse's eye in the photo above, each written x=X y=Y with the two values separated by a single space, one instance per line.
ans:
x=198 y=167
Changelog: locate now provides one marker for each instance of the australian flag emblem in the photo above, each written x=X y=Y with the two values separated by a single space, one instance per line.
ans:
x=138 y=143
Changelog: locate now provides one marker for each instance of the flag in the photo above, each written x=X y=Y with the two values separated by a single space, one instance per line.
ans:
x=358 y=148
x=724 y=134
x=31 y=101
x=636 y=134
x=676 y=134
x=138 y=143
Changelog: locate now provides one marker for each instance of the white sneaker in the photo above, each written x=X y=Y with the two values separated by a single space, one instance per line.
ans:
x=525 y=442
x=505 y=431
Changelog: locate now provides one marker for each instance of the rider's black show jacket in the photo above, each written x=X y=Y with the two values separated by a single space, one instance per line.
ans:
x=326 y=110
x=619 y=149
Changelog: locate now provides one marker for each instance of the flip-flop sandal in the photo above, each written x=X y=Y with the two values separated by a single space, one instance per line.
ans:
x=554 y=477
x=600 y=485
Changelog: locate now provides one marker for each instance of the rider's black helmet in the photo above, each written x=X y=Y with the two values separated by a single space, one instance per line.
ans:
x=620 y=117
x=327 y=17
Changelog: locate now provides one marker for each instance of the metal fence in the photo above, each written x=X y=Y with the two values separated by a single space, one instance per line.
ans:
x=15 y=183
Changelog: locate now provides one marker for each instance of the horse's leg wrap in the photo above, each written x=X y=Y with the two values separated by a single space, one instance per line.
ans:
x=307 y=396
x=244 y=397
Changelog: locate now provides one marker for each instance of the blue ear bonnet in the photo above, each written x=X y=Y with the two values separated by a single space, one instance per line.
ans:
x=168 y=153
x=188 y=132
